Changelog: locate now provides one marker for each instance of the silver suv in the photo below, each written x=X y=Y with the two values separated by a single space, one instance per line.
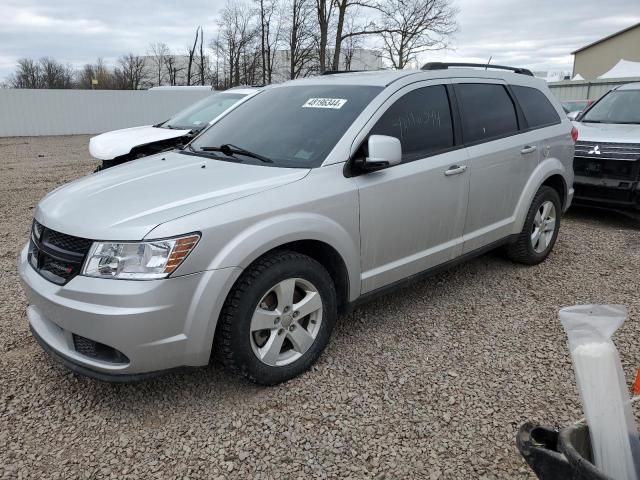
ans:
x=305 y=200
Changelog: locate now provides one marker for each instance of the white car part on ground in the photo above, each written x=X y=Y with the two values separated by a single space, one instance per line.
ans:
x=602 y=386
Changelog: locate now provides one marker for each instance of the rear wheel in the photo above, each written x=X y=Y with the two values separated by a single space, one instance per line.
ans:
x=278 y=318
x=540 y=230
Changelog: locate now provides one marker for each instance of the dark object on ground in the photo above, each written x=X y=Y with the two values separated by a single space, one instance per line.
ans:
x=555 y=454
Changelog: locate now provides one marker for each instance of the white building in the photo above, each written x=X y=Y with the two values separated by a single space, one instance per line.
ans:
x=355 y=59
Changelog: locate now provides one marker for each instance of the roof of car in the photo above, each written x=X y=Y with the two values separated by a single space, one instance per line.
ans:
x=383 y=78
x=242 y=90
x=629 y=86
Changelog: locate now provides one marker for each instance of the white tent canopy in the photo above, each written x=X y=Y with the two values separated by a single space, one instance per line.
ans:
x=577 y=77
x=623 y=69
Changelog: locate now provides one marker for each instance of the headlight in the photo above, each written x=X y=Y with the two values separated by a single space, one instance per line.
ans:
x=138 y=260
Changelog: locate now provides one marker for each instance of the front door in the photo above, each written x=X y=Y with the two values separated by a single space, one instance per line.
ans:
x=412 y=215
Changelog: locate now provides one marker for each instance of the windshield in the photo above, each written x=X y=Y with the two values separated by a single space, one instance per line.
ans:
x=293 y=126
x=199 y=114
x=619 y=106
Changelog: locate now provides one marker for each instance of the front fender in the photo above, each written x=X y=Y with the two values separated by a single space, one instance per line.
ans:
x=545 y=169
x=259 y=238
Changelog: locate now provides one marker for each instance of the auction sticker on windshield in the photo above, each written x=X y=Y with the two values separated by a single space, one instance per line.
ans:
x=335 y=103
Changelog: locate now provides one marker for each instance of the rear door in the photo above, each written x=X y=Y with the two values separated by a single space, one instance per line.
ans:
x=502 y=156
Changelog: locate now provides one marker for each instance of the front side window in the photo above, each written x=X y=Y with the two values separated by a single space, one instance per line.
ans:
x=198 y=115
x=294 y=126
x=487 y=112
x=618 y=106
x=536 y=107
x=421 y=119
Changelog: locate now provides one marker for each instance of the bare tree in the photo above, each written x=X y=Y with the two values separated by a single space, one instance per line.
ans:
x=410 y=27
x=349 y=46
x=324 y=12
x=172 y=68
x=27 y=75
x=45 y=73
x=237 y=30
x=191 y=52
x=269 y=36
x=131 y=72
x=97 y=72
x=158 y=53
x=55 y=74
x=202 y=61
x=300 y=37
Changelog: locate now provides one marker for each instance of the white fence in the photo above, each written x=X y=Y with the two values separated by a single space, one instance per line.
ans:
x=69 y=112
x=586 y=89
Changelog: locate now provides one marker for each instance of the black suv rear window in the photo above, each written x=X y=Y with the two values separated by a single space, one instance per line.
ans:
x=536 y=107
x=487 y=111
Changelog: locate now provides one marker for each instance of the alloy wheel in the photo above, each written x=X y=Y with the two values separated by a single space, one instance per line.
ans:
x=286 y=322
x=544 y=226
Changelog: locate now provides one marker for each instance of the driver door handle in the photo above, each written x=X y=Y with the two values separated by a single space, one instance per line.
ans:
x=455 y=170
x=528 y=149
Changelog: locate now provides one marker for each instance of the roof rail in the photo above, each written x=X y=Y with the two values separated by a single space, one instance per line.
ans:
x=335 y=72
x=444 y=66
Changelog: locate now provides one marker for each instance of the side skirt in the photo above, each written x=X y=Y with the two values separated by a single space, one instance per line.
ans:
x=399 y=284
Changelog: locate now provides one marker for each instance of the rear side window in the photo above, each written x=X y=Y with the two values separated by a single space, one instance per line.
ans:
x=536 y=107
x=487 y=111
x=421 y=119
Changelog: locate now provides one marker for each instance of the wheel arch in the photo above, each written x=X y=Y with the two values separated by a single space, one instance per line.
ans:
x=550 y=172
x=558 y=183
x=322 y=239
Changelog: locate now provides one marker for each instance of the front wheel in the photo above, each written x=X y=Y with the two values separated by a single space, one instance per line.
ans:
x=540 y=230
x=277 y=319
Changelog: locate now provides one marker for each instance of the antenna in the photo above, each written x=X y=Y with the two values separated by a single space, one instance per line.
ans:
x=488 y=62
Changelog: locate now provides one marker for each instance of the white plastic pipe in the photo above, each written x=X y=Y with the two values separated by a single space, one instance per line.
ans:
x=602 y=386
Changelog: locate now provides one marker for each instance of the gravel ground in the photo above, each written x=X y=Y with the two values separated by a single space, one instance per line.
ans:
x=430 y=382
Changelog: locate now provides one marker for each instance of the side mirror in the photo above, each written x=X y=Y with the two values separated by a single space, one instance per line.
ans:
x=384 y=151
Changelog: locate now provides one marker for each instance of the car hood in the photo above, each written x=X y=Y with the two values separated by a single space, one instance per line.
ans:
x=126 y=202
x=110 y=145
x=607 y=132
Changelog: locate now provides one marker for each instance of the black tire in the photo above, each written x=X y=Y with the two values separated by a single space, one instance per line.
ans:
x=232 y=343
x=522 y=250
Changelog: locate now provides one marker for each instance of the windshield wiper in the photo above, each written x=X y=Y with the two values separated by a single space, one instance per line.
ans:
x=230 y=150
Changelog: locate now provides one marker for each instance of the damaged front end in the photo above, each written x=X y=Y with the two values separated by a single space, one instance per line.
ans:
x=607 y=174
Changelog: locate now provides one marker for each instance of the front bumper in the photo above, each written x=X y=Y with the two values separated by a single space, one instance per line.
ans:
x=157 y=325
x=607 y=191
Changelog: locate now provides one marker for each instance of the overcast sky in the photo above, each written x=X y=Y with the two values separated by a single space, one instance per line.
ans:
x=539 y=34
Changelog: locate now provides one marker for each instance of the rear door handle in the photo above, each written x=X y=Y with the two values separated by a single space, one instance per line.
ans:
x=528 y=149
x=455 y=170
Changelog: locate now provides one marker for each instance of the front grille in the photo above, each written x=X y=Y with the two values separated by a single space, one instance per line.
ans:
x=607 y=160
x=58 y=257
x=608 y=151
x=66 y=242
x=97 y=350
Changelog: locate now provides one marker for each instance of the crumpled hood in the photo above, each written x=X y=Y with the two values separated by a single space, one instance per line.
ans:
x=110 y=145
x=128 y=201
x=607 y=132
